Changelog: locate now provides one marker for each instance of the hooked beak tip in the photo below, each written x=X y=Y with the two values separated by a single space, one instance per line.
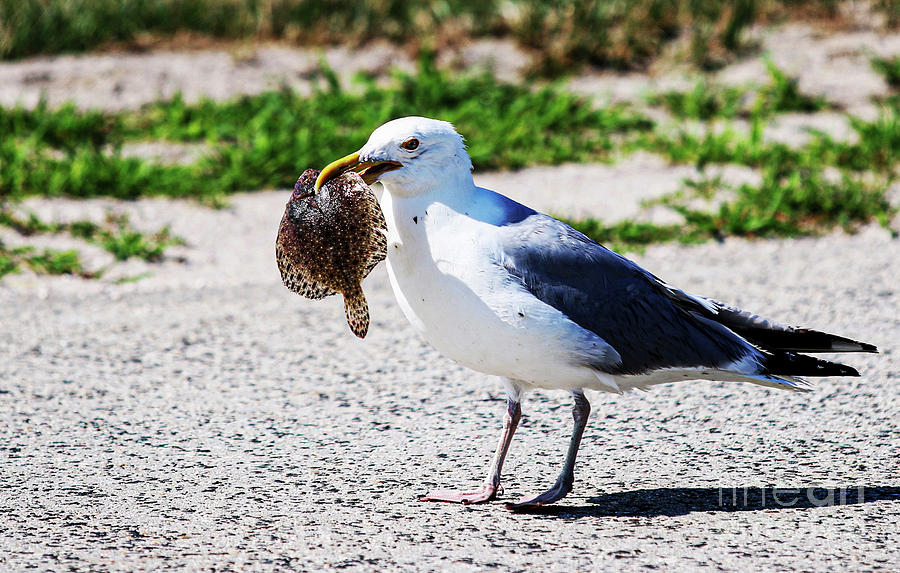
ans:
x=369 y=170
x=336 y=168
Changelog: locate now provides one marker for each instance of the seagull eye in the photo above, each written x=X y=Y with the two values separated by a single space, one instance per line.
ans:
x=410 y=144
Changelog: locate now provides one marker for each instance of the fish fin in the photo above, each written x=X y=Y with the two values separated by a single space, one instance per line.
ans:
x=298 y=280
x=357 y=311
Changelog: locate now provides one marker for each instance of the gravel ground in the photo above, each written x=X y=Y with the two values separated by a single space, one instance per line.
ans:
x=205 y=418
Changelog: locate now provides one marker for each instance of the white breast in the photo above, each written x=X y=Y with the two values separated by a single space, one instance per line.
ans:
x=445 y=272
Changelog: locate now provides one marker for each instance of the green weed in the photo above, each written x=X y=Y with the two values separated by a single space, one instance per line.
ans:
x=627 y=236
x=124 y=242
x=705 y=101
x=782 y=94
x=62 y=128
x=132 y=278
x=9 y=262
x=560 y=35
x=118 y=237
x=53 y=262
x=276 y=135
x=708 y=100
x=30 y=168
x=726 y=145
x=115 y=235
x=264 y=141
x=794 y=203
x=889 y=68
x=791 y=203
x=877 y=148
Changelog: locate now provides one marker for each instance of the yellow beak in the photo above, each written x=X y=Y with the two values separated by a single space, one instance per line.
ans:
x=370 y=171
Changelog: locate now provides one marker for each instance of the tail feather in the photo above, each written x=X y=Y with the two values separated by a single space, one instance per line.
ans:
x=356 y=309
x=791 y=383
x=803 y=340
x=770 y=334
x=783 y=363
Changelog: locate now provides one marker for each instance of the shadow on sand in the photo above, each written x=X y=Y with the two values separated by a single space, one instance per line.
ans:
x=681 y=501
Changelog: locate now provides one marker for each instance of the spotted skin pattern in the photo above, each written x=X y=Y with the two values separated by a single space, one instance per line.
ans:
x=330 y=240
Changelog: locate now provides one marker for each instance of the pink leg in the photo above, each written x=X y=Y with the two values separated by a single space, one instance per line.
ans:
x=488 y=489
x=564 y=482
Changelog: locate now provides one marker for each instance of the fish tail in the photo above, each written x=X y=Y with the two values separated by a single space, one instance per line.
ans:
x=357 y=311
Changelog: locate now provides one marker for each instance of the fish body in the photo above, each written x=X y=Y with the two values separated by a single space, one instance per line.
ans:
x=329 y=241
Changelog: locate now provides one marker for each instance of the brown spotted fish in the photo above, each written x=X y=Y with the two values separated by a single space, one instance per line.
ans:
x=330 y=240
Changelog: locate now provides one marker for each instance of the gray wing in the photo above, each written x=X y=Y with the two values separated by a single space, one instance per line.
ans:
x=601 y=291
x=769 y=334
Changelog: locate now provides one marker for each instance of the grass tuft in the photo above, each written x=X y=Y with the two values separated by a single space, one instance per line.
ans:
x=791 y=203
x=627 y=236
x=889 y=68
x=53 y=262
x=705 y=101
x=561 y=36
x=124 y=242
x=782 y=94
x=264 y=141
x=45 y=261
x=115 y=235
x=708 y=100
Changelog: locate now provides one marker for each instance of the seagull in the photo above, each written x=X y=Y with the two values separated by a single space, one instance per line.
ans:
x=507 y=291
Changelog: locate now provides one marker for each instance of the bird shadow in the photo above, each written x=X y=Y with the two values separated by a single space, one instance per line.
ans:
x=673 y=502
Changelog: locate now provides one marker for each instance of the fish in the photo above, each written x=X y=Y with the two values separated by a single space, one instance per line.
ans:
x=330 y=240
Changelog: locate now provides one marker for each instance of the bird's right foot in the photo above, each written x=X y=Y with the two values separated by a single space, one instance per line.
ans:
x=485 y=493
x=560 y=489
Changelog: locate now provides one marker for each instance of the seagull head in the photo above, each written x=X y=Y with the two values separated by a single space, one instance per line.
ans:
x=409 y=156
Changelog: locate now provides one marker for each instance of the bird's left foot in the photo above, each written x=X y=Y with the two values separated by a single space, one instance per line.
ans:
x=559 y=490
x=485 y=493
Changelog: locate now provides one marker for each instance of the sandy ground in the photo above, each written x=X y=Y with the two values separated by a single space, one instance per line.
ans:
x=205 y=418
x=834 y=65
x=197 y=420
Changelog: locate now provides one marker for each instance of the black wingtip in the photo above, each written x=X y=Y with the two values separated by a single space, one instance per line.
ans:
x=805 y=340
x=791 y=364
x=868 y=348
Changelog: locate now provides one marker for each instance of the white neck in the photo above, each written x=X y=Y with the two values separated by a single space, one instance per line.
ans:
x=428 y=178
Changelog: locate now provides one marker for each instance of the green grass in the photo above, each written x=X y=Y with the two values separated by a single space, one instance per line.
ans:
x=61 y=128
x=631 y=235
x=115 y=235
x=792 y=203
x=798 y=202
x=44 y=261
x=725 y=145
x=782 y=94
x=53 y=262
x=123 y=241
x=705 y=101
x=265 y=141
x=708 y=100
x=561 y=35
x=877 y=148
x=889 y=68
x=132 y=279
x=795 y=197
x=8 y=261
x=33 y=168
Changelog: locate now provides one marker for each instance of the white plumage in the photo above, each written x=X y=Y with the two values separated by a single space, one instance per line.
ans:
x=504 y=290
